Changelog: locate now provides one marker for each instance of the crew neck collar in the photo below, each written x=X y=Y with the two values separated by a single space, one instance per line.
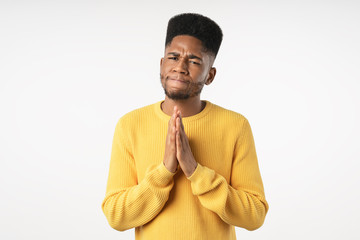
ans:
x=197 y=116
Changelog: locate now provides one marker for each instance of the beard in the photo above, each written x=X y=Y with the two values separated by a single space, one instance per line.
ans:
x=176 y=95
x=194 y=89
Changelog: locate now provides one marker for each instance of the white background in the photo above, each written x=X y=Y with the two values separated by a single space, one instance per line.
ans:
x=70 y=69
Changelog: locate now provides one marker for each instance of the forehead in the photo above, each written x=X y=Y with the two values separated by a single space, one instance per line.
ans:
x=185 y=44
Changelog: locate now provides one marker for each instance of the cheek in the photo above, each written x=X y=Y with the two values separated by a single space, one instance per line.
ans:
x=164 y=69
x=199 y=73
x=206 y=73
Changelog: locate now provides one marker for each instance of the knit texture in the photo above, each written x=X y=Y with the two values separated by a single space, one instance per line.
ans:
x=225 y=190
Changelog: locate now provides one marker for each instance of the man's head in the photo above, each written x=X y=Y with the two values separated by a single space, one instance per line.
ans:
x=192 y=43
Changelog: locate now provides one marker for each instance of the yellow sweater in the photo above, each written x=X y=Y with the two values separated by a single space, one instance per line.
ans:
x=225 y=190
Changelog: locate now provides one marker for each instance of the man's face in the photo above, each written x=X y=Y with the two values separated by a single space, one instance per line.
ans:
x=185 y=68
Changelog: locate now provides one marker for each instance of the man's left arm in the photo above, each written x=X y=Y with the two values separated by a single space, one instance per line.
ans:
x=242 y=202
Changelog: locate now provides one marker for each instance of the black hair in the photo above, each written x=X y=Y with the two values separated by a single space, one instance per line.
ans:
x=198 y=26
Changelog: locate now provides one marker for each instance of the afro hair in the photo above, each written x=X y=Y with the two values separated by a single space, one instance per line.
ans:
x=198 y=26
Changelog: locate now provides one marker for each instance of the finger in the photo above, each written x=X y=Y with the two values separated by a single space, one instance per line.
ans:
x=170 y=123
x=183 y=136
x=185 y=140
x=175 y=110
x=177 y=113
x=181 y=121
x=178 y=145
x=181 y=131
x=172 y=120
x=172 y=134
x=178 y=124
x=181 y=126
x=172 y=141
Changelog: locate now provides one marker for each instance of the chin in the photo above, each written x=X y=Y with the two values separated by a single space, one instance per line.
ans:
x=176 y=95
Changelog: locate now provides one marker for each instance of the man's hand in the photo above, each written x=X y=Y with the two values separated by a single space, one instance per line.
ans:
x=170 y=160
x=183 y=151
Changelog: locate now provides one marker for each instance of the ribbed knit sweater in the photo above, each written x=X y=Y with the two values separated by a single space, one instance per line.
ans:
x=225 y=190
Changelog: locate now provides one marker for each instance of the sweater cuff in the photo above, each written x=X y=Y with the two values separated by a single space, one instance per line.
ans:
x=166 y=172
x=201 y=180
x=159 y=175
x=196 y=174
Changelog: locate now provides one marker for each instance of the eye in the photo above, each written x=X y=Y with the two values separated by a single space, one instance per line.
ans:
x=193 y=62
x=172 y=58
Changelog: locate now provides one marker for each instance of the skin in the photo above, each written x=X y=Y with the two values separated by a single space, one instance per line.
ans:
x=185 y=68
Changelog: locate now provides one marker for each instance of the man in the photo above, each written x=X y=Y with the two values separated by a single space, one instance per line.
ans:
x=183 y=168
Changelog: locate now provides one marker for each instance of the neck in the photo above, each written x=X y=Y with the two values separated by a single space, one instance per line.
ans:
x=188 y=107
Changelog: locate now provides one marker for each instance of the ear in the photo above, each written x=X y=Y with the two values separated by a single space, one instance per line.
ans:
x=161 y=61
x=211 y=76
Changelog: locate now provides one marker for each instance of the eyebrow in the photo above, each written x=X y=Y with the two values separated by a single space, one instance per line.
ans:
x=191 y=56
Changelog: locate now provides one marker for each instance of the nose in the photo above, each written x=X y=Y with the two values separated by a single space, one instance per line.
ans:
x=181 y=66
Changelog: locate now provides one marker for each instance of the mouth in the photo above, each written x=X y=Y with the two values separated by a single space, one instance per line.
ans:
x=180 y=80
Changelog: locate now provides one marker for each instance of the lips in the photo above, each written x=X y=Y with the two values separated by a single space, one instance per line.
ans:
x=177 y=79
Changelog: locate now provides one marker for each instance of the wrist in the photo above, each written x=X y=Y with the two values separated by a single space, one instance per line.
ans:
x=172 y=170
x=188 y=174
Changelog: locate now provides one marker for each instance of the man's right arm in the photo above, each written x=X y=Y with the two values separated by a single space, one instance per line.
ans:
x=127 y=203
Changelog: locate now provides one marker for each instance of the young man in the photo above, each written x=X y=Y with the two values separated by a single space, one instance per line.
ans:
x=183 y=168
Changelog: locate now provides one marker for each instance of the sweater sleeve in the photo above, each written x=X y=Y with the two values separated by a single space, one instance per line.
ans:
x=127 y=203
x=242 y=201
